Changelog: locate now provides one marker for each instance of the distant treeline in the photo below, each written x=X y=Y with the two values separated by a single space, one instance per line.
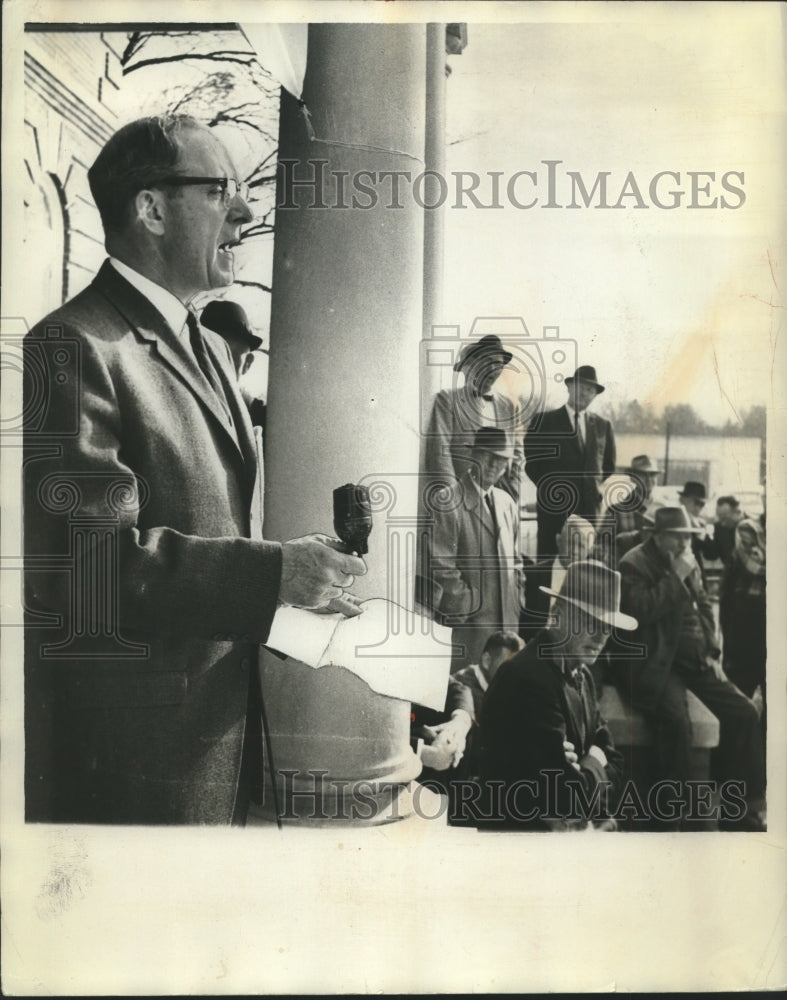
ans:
x=634 y=417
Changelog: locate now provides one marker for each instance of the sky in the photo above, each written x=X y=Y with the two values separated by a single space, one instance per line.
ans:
x=669 y=305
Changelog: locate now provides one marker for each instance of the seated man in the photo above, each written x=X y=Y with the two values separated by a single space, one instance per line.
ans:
x=728 y=514
x=662 y=587
x=575 y=543
x=742 y=613
x=542 y=738
x=692 y=499
x=448 y=740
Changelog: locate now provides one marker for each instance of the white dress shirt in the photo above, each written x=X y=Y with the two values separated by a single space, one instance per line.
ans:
x=169 y=305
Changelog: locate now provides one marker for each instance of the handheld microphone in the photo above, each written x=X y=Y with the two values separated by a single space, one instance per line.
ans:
x=352 y=517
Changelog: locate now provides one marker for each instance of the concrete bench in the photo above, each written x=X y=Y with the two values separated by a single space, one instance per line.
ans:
x=629 y=728
x=634 y=739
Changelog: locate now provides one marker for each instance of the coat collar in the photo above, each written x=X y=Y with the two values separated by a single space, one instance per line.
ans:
x=473 y=500
x=149 y=325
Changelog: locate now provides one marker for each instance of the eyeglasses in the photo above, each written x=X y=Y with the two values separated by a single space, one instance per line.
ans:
x=231 y=186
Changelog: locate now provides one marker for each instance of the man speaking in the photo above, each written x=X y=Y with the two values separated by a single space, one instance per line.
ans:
x=148 y=584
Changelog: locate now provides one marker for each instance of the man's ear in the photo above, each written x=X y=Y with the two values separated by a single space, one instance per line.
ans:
x=150 y=209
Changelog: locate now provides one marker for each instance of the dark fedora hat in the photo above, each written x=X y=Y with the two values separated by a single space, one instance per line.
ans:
x=595 y=588
x=490 y=344
x=493 y=439
x=228 y=319
x=694 y=490
x=674 y=519
x=586 y=373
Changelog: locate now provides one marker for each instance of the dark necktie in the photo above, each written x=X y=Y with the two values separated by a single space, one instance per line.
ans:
x=580 y=435
x=491 y=508
x=203 y=360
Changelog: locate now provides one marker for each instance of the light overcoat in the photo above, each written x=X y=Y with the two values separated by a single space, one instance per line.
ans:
x=148 y=584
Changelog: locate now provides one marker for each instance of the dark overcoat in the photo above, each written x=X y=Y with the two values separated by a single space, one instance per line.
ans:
x=524 y=720
x=568 y=476
x=657 y=598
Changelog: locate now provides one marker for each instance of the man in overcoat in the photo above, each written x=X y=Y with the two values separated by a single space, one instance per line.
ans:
x=569 y=452
x=149 y=586
x=457 y=413
x=662 y=588
x=547 y=758
x=472 y=575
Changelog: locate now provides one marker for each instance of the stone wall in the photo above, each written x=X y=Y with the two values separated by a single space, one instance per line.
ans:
x=71 y=86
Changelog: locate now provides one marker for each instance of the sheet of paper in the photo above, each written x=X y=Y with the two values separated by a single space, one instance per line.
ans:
x=410 y=664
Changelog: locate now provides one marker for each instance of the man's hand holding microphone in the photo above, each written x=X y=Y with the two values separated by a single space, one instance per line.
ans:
x=316 y=572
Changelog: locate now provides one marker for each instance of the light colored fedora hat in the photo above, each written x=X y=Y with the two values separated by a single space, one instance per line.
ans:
x=595 y=588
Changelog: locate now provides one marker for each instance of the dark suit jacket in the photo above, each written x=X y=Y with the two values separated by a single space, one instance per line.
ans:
x=148 y=584
x=654 y=595
x=525 y=717
x=568 y=477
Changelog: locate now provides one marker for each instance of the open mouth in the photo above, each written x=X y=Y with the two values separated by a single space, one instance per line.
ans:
x=227 y=247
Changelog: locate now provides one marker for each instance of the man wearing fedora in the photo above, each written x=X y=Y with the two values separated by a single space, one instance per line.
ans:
x=569 y=452
x=662 y=588
x=542 y=736
x=576 y=541
x=636 y=514
x=692 y=498
x=630 y=516
x=230 y=322
x=471 y=575
x=457 y=413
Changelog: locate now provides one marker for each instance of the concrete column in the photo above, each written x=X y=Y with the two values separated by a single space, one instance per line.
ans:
x=434 y=156
x=346 y=322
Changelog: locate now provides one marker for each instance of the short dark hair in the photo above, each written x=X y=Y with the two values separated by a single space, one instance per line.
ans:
x=502 y=640
x=138 y=155
x=730 y=501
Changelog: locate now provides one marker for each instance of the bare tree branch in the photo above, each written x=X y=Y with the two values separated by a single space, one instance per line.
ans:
x=252 y=284
x=260 y=228
x=259 y=181
x=134 y=45
x=138 y=39
x=226 y=114
x=231 y=57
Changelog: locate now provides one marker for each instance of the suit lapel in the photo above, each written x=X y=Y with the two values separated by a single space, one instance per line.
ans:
x=239 y=410
x=575 y=716
x=567 y=427
x=148 y=324
x=475 y=505
x=590 y=442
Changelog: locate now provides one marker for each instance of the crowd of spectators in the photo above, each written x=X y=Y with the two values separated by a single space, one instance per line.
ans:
x=618 y=592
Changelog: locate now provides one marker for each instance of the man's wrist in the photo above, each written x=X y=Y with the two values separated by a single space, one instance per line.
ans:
x=462 y=718
x=596 y=752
